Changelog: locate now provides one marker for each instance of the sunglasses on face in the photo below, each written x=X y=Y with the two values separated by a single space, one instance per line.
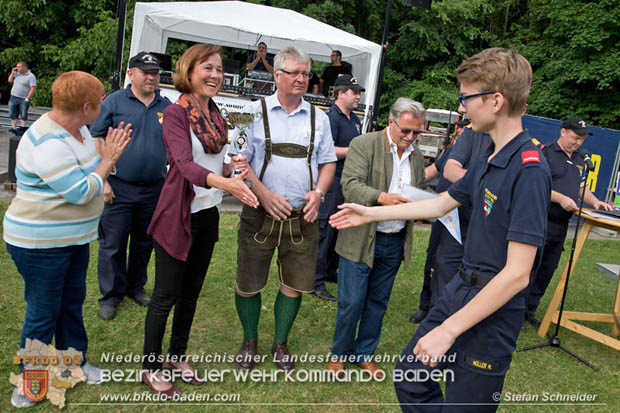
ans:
x=407 y=131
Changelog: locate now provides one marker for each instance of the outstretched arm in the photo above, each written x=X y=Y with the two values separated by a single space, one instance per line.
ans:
x=353 y=215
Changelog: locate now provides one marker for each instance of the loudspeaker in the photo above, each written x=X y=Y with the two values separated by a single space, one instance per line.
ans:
x=165 y=61
x=13 y=142
x=420 y=4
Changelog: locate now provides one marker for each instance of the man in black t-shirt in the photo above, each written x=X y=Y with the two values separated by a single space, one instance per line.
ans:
x=332 y=72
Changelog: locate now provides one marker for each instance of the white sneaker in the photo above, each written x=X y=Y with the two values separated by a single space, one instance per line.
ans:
x=92 y=373
x=19 y=400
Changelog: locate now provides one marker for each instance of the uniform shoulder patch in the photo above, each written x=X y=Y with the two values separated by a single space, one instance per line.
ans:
x=530 y=156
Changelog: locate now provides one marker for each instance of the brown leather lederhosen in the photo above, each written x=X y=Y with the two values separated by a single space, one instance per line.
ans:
x=259 y=234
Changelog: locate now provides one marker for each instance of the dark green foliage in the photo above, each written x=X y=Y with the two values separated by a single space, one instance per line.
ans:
x=57 y=36
x=572 y=45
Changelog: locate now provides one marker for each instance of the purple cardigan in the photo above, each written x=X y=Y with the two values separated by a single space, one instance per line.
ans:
x=171 y=223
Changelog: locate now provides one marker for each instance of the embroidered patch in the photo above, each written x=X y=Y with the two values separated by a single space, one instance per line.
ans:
x=489 y=200
x=483 y=365
x=530 y=156
x=160 y=118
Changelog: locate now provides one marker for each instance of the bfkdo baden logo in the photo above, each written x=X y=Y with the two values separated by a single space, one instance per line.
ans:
x=46 y=372
x=36 y=384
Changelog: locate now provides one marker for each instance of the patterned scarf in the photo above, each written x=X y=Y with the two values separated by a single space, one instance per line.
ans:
x=212 y=135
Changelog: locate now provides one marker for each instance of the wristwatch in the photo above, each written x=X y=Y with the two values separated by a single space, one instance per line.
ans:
x=318 y=191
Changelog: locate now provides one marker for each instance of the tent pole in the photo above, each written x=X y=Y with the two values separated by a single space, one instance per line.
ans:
x=121 y=11
x=384 y=44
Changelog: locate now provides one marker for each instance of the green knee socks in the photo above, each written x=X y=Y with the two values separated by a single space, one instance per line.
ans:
x=248 y=309
x=285 y=310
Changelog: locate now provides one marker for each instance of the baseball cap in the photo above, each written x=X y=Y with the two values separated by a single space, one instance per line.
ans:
x=463 y=122
x=145 y=61
x=577 y=125
x=350 y=82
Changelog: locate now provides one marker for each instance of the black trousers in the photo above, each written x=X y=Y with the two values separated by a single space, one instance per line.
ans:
x=327 y=259
x=429 y=265
x=178 y=284
x=539 y=280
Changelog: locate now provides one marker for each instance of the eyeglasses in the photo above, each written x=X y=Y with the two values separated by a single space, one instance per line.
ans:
x=463 y=98
x=407 y=131
x=305 y=75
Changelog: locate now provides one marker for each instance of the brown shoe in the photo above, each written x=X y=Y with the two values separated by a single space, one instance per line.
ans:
x=245 y=356
x=185 y=375
x=170 y=391
x=372 y=368
x=335 y=368
x=282 y=357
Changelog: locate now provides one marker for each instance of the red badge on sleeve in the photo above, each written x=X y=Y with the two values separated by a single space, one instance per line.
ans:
x=530 y=156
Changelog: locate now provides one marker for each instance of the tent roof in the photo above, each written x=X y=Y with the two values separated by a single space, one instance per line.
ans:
x=244 y=25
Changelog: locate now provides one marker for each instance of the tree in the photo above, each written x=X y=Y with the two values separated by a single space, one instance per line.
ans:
x=573 y=47
x=43 y=33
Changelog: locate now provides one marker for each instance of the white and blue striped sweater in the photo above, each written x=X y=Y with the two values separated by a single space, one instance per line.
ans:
x=59 y=199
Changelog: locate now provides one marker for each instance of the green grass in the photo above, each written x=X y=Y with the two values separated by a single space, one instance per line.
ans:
x=217 y=330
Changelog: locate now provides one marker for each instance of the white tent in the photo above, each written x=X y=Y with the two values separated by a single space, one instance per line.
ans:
x=243 y=25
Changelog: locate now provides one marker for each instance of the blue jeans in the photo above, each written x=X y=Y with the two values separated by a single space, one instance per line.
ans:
x=54 y=290
x=363 y=294
x=18 y=107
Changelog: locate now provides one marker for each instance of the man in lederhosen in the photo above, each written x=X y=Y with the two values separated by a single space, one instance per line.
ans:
x=292 y=163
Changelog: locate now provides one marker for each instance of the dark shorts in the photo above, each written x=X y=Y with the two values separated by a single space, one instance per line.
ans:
x=257 y=238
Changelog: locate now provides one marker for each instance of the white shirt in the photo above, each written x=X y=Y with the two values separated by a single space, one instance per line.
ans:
x=207 y=198
x=288 y=177
x=401 y=176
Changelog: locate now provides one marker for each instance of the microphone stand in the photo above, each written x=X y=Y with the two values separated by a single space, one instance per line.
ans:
x=555 y=339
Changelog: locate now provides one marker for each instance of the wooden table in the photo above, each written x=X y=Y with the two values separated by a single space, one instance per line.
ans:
x=569 y=317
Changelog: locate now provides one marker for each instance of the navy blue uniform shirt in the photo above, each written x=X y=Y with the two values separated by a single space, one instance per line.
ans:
x=442 y=183
x=145 y=158
x=566 y=174
x=465 y=150
x=510 y=196
x=343 y=131
x=469 y=146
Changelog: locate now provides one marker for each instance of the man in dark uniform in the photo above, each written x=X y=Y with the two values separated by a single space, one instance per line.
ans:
x=472 y=329
x=345 y=125
x=433 y=241
x=567 y=172
x=131 y=194
x=447 y=252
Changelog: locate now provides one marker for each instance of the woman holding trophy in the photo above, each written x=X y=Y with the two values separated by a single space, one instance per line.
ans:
x=185 y=224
